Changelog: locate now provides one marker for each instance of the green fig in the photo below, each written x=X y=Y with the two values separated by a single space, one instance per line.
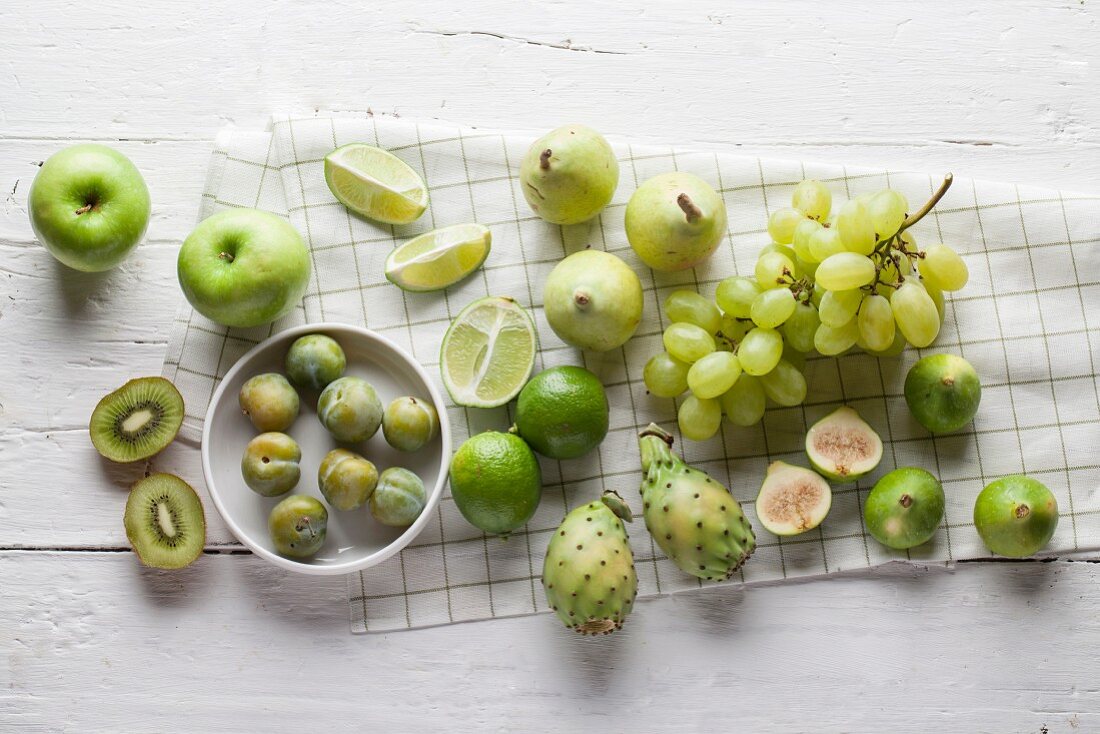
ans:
x=569 y=175
x=674 y=221
x=1016 y=516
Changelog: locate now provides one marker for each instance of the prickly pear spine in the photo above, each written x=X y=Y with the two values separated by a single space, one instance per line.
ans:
x=589 y=573
x=694 y=519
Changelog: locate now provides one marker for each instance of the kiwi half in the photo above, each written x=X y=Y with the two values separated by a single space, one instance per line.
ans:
x=164 y=522
x=137 y=420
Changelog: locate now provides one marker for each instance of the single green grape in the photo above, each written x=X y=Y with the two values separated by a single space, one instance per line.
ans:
x=915 y=313
x=887 y=209
x=688 y=342
x=735 y=295
x=772 y=307
x=734 y=330
x=795 y=357
x=832 y=341
x=803 y=233
x=937 y=298
x=771 y=267
x=805 y=269
x=684 y=306
x=839 y=307
x=876 y=323
x=782 y=222
x=896 y=347
x=785 y=250
x=855 y=228
x=845 y=271
x=812 y=198
x=665 y=376
x=799 y=329
x=825 y=242
x=785 y=385
x=760 y=351
x=699 y=419
x=713 y=374
x=744 y=403
x=944 y=267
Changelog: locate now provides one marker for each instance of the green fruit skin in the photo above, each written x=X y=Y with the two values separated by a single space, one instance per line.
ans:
x=346 y=479
x=904 y=508
x=270 y=464
x=577 y=179
x=243 y=267
x=269 y=402
x=496 y=482
x=315 y=360
x=409 y=423
x=588 y=573
x=350 y=410
x=662 y=233
x=298 y=526
x=102 y=237
x=694 y=519
x=399 y=498
x=1016 y=516
x=562 y=412
x=943 y=392
x=593 y=300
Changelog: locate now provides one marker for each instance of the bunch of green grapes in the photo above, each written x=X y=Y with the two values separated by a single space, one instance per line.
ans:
x=832 y=279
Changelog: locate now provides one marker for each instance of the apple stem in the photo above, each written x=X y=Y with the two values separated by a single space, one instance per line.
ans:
x=690 y=210
x=544 y=159
x=84 y=209
x=227 y=256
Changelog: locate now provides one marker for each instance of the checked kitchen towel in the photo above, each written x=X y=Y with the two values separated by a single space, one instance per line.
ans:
x=1029 y=321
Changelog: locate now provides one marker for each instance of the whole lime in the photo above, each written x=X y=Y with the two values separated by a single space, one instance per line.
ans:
x=496 y=481
x=943 y=392
x=1016 y=516
x=562 y=412
x=904 y=508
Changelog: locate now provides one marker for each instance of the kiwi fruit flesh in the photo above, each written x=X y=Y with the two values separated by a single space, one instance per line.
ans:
x=137 y=420
x=164 y=522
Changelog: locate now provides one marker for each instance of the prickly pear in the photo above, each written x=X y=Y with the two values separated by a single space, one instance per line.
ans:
x=694 y=519
x=588 y=573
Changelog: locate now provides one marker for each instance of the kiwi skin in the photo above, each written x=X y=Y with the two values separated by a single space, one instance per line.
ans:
x=164 y=522
x=163 y=408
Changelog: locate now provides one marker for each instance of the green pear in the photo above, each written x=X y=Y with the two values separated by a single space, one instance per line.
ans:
x=569 y=175
x=674 y=221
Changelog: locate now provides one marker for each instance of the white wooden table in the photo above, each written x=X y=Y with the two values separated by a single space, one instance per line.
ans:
x=91 y=641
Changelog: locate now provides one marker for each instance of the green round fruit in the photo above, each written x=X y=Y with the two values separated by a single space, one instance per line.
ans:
x=569 y=175
x=298 y=526
x=350 y=409
x=674 y=221
x=399 y=498
x=943 y=392
x=496 y=481
x=269 y=402
x=593 y=300
x=315 y=360
x=270 y=464
x=904 y=508
x=562 y=412
x=346 y=479
x=409 y=423
x=89 y=206
x=1016 y=516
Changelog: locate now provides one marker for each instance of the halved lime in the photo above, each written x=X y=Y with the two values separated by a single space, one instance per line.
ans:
x=488 y=352
x=375 y=183
x=439 y=258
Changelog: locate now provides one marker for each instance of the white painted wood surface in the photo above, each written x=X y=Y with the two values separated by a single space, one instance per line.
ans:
x=92 y=642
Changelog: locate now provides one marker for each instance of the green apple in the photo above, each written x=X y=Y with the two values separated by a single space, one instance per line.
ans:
x=243 y=267
x=89 y=206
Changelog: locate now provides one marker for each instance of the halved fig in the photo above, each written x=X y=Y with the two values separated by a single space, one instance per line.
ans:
x=842 y=447
x=792 y=499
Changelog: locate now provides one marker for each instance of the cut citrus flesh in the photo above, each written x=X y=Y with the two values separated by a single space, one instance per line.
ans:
x=440 y=258
x=375 y=183
x=488 y=353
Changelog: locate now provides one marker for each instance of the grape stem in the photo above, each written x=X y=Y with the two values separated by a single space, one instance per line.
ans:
x=890 y=249
x=918 y=215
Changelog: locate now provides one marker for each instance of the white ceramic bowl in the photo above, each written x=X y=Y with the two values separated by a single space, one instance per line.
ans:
x=355 y=540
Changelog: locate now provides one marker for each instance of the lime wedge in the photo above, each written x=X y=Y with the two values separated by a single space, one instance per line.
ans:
x=375 y=183
x=488 y=352
x=439 y=258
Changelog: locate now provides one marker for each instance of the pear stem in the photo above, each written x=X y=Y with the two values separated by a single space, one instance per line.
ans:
x=691 y=211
